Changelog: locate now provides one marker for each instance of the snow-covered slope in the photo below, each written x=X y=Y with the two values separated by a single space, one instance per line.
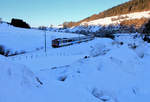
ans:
x=117 y=19
x=17 y=82
x=101 y=70
x=111 y=25
x=18 y=40
x=112 y=71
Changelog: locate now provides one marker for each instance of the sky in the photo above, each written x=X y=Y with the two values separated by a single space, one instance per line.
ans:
x=46 y=12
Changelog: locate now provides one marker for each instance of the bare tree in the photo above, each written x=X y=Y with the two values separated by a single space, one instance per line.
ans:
x=42 y=27
x=0 y=20
x=51 y=26
x=65 y=24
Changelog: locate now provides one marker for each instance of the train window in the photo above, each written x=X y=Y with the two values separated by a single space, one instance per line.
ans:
x=70 y=40
x=55 y=42
x=64 y=41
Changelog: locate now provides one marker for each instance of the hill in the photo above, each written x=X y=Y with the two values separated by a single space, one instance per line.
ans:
x=14 y=40
x=125 y=8
x=102 y=70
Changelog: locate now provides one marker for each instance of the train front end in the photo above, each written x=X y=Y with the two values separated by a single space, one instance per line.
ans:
x=55 y=43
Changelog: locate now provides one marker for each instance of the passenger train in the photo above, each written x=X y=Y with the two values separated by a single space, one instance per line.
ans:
x=60 y=42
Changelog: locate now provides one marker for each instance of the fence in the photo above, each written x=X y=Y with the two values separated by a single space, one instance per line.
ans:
x=40 y=55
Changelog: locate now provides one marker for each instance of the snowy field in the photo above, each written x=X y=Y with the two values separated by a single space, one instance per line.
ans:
x=25 y=40
x=112 y=71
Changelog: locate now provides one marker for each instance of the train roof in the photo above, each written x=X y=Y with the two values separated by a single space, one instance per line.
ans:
x=73 y=38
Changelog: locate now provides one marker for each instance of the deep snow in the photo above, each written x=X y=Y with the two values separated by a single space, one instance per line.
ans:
x=112 y=71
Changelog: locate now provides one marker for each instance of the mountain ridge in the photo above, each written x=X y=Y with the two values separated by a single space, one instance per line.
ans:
x=125 y=8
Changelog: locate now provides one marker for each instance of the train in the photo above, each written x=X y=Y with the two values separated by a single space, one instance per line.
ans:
x=60 y=42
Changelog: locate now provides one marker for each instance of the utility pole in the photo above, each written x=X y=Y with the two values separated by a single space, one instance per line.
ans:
x=45 y=39
x=79 y=38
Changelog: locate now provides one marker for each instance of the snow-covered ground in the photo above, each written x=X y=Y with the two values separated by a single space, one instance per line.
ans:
x=101 y=70
x=18 y=40
x=107 y=24
x=117 y=19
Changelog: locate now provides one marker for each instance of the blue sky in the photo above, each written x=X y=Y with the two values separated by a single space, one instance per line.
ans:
x=47 y=12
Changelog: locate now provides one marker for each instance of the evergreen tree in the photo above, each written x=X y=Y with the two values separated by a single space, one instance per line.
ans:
x=19 y=23
x=147 y=28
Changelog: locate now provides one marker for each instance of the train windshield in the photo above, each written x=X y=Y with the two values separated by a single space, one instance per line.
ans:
x=55 y=42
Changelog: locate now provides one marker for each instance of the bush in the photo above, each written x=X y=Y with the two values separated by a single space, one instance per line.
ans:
x=42 y=28
x=19 y=23
x=146 y=29
x=146 y=38
x=2 y=50
x=7 y=53
x=111 y=36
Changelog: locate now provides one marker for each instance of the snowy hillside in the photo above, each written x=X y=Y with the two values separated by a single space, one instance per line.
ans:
x=18 y=40
x=117 y=19
x=101 y=70
x=127 y=23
